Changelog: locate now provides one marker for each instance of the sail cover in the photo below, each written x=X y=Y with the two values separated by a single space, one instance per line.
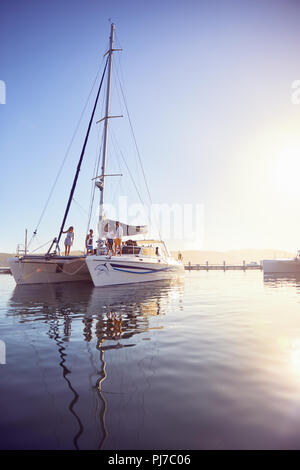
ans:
x=109 y=225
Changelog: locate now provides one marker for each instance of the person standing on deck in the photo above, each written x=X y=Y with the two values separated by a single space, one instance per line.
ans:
x=89 y=242
x=109 y=242
x=118 y=239
x=69 y=240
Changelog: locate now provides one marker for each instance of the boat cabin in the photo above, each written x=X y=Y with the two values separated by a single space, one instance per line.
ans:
x=149 y=248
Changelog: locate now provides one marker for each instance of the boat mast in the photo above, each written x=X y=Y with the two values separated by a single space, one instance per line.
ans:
x=106 y=118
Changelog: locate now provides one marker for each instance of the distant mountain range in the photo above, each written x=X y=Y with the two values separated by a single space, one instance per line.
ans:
x=213 y=257
x=3 y=258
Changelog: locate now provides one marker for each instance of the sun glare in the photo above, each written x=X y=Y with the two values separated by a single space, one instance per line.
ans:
x=285 y=169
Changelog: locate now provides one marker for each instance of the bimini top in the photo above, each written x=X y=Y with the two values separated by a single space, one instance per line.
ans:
x=109 y=225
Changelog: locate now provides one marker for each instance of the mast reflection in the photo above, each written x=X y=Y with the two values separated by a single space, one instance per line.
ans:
x=111 y=317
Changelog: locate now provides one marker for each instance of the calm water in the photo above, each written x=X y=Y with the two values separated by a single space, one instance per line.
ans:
x=210 y=363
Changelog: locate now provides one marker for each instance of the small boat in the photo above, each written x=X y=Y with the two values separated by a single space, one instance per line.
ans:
x=277 y=266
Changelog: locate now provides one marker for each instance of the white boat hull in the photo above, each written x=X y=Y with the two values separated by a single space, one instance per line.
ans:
x=281 y=266
x=43 y=270
x=127 y=270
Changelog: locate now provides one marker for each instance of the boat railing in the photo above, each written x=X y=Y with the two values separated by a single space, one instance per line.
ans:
x=21 y=250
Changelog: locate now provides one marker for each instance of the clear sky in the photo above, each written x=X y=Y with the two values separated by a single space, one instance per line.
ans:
x=208 y=85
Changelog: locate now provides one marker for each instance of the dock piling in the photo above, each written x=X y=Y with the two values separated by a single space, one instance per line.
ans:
x=224 y=266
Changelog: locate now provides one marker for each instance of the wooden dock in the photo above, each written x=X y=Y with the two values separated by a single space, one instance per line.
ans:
x=222 y=267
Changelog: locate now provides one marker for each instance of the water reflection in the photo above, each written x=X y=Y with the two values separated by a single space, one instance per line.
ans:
x=54 y=334
x=287 y=285
x=105 y=319
x=281 y=280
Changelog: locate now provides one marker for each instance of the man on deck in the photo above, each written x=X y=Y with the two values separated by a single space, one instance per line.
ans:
x=118 y=239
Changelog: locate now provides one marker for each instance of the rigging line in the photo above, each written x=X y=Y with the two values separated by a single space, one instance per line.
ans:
x=66 y=154
x=47 y=243
x=118 y=42
x=80 y=207
x=130 y=174
x=116 y=159
x=116 y=87
x=135 y=142
x=81 y=157
x=119 y=74
x=137 y=149
x=114 y=141
x=139 y=157
x=116 y=151
x=118 y=183
x=96 y=170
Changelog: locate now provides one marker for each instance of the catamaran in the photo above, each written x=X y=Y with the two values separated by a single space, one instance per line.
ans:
x=137 y=261
x=141 y=260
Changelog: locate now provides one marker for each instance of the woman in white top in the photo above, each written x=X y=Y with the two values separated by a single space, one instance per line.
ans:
x=118 y=239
